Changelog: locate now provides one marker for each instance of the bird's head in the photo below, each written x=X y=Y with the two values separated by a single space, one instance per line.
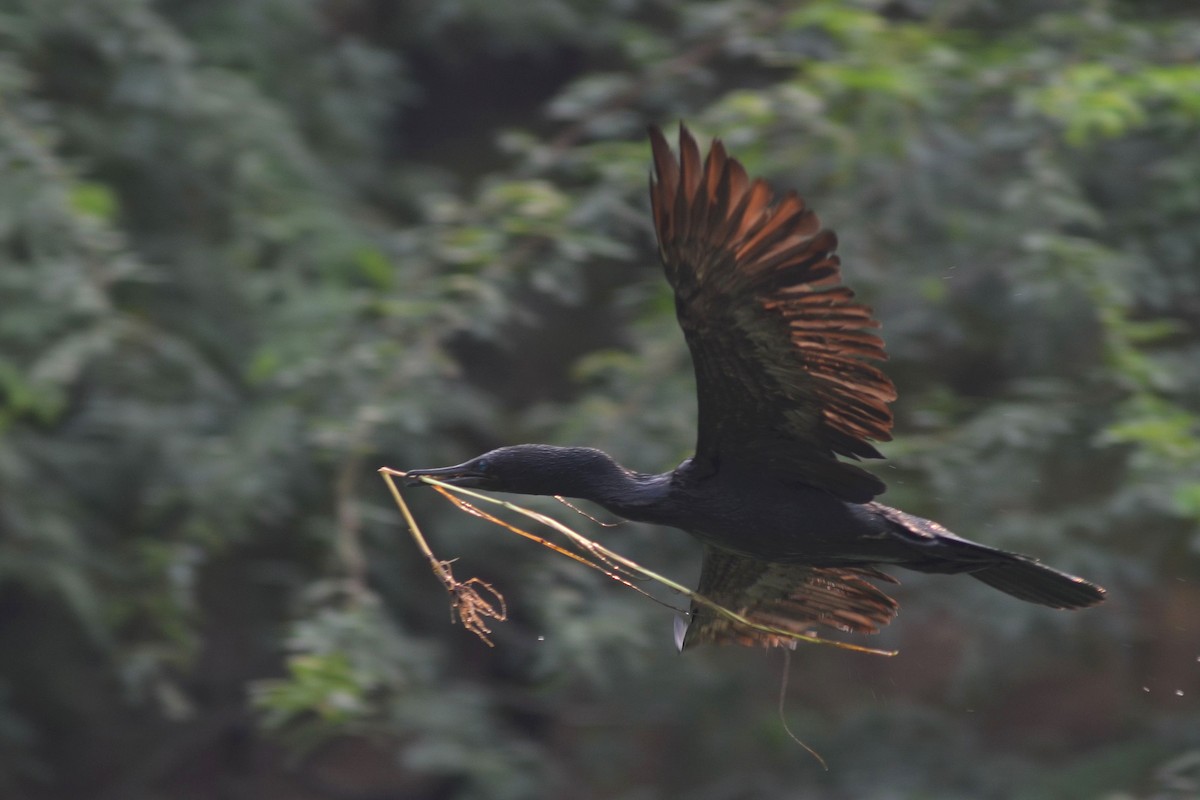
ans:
x=528 y=469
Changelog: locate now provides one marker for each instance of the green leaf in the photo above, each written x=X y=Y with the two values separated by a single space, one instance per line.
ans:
x=94 y=200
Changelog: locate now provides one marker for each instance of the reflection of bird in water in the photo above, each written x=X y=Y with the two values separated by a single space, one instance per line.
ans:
x=782 y=355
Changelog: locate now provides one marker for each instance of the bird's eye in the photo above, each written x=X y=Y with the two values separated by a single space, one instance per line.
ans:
x=482 y=465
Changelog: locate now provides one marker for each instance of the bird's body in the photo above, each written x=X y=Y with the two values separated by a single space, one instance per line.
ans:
x=773 y=520
x=782 y=355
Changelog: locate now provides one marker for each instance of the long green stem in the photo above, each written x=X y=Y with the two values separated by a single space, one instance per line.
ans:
x=601 y=552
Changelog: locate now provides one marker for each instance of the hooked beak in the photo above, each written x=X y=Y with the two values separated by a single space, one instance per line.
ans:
x=461 y=475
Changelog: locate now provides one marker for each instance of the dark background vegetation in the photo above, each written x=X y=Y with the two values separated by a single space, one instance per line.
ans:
x=252 y=250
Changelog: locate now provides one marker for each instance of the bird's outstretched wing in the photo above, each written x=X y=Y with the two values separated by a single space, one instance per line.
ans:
x=792 y=597
x=781 y=351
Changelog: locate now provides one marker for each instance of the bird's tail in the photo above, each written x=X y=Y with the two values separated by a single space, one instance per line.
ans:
x=1029 y=580
x=1021 y=576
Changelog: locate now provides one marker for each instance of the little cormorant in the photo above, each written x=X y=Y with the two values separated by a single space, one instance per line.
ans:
x=782 y=355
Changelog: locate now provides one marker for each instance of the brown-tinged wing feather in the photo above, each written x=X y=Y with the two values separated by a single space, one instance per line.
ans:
x=782 y=352
x=792 y=597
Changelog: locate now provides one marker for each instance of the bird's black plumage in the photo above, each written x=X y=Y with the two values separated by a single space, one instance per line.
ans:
x=786 y=383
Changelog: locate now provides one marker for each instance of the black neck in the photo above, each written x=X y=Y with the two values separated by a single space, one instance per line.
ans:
x=593 y=475
x=632 y=495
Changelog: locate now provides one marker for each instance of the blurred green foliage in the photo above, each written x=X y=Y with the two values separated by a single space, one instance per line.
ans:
x=250 y=250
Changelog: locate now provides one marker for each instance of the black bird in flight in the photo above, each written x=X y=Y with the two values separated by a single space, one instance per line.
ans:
x=793 y=537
